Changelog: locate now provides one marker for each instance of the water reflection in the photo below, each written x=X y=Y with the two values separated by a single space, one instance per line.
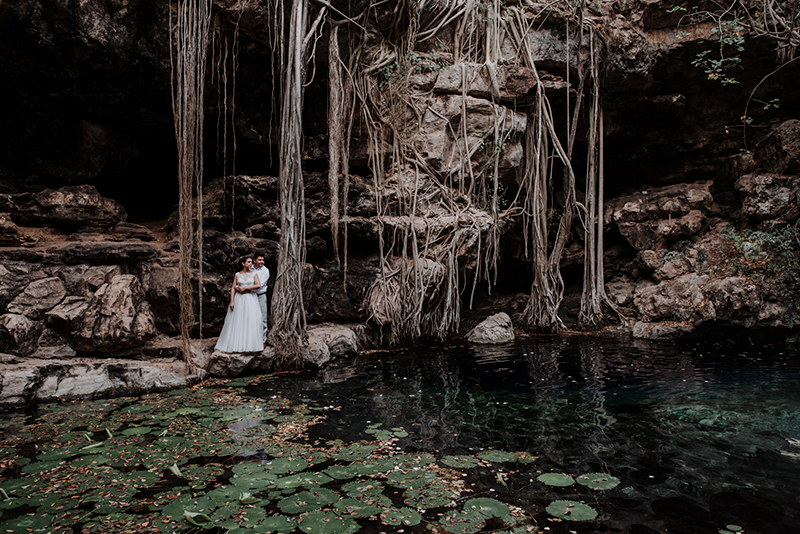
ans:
x=687 y=428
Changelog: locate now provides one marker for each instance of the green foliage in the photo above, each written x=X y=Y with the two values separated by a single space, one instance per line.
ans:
x=772 y=255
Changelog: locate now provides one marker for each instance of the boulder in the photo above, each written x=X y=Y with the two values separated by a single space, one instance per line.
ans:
x=662 y=330
x=440 y=139
x=769 y=196
x=95 y=277
x=227 y=365
x=316 y=352
x=38 y=297
x=339 y=339
x=117 y=317
x=74 y=206
x=680 y=299
x=492 y=330
x=779 y=152
x=14 y=277
x=504 y=82
x=12 y=235
x=654 y=218
x=19 y=334
x=128 y=230
x=620 y=291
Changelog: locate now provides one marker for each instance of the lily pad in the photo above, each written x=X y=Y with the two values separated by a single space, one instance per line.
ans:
x=410 y=479
x=571 y=511
x=341 y=472
x=492 y=455
x=362 y=487
x=305 y=501
x=357 y=508
x=319 y=522
x=487 y=507
x=598 y=481
x=26 y=524
x=430 y=497
x=136 y=431
x=280 y=466
x=403 y=516
x=463 y=522
x=302 y=479
x=277 y=524
x=355 y=451
x=556 y=479
x=460 y=462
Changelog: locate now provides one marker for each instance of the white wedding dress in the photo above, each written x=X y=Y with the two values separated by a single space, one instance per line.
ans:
x=242 y=331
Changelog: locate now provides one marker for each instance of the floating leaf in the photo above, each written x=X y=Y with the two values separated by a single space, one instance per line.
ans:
x=460 y=462
x=487 y=507
x=430 y=497
x=355 y=451
x=136 y=431
x=556 y=479
x=366 y=487
x=28 y=523
x=571 y=511
x=319 y=522
x=404 y=516
x=279 y=524
x=279 y=466
x=492 y=455
x=197 y=518
x=357 y=508
x=463 y=522
x=341 y=472
x=306 y=501
x=410 y=479
x=598 y=481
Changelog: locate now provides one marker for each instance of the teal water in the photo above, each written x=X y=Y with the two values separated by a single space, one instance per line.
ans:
x=701 y=435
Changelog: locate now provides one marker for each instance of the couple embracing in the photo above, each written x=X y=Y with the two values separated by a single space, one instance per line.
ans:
x=245 y=328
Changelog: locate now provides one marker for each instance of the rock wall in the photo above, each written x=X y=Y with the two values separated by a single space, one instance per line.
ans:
x=88 y=255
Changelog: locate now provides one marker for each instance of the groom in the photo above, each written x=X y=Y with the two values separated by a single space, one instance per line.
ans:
x=261 y=292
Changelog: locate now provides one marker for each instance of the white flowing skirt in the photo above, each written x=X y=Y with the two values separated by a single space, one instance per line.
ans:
x=242 y=331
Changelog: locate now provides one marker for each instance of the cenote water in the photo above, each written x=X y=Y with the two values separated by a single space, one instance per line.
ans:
x=567 y=435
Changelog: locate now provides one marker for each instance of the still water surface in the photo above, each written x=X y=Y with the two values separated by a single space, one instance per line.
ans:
x=701 y=435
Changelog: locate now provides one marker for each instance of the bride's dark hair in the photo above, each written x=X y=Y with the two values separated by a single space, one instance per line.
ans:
x=244 y=259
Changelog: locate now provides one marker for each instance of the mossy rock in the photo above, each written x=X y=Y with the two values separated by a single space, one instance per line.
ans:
x=556 y=479
x=571 y=511
x=598 y=481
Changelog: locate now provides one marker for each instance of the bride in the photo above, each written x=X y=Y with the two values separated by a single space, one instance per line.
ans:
x=243 y=324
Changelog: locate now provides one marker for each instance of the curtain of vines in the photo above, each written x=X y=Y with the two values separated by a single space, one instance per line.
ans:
x=190 y=40
x=288 y=333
